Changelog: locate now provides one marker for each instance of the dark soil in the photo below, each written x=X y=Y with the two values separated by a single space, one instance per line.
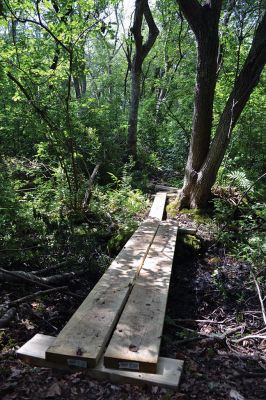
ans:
x=211 y=295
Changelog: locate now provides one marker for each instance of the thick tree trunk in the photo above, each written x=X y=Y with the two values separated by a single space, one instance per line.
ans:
x=205 y=26
x=204 y=158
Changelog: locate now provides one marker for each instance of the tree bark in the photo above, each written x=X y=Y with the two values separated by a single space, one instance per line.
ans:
x=204 y=157
x=142 y=9
x=133 y=112
x=77 y=87
x=204 y=22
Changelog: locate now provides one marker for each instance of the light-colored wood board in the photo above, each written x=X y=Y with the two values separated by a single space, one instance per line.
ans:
x=85 y=335
x=164 y=188
x=158 y=206
x=187 y=231
x=136 y=341
x=169 y=370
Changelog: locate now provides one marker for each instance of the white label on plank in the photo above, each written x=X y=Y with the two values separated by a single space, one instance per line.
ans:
x=73 y=362
x=129 y=365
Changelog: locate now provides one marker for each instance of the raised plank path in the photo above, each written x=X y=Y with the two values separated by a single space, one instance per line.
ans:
x=135 y=285
x=82 y=341
x=158 y=206
x=136 y=341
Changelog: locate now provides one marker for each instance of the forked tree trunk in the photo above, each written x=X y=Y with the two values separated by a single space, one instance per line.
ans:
x=142 y=9
x=204 y=157
x=205 y=27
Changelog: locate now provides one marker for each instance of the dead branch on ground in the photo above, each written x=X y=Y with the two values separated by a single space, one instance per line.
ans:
x=7 y=317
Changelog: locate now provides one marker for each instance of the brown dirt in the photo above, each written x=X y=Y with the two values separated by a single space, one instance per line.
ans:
x=207 y=284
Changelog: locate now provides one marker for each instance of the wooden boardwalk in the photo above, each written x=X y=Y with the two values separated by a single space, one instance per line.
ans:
x=82 y=341
x=134 y=289
x=136 y=341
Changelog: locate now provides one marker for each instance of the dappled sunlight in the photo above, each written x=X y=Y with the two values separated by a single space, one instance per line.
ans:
x=138 y=333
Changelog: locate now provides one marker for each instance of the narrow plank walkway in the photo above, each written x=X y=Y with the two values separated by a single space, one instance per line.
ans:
x=135 y=343
x=82 y=341
x=135 y=285
x=158 y=206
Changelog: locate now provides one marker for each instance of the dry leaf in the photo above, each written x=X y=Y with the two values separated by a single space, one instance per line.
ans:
x=235 y=395
x=74 y=390
x=54 y=390
x=154 y=389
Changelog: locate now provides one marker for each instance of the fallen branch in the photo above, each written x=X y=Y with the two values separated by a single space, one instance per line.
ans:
x=207 y=339
x=15 y=276
x=256 y=335
x=21 y=276
x=7 y=317
x=242 y=372
x=36 y=294
x=43 y=282
x=88 y=192
x=44 y=271
x=252 y=357
x=202 y=321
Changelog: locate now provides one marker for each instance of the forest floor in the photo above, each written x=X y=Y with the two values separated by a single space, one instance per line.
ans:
x=213 y=323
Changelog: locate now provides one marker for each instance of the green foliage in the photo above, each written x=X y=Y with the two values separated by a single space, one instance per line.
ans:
x=241 y=227
x=64 y=101
x=120 y=204
x=18 y=227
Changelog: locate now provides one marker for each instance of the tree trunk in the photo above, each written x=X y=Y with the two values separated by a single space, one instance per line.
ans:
x=142 y=9
x=205 y=26
x=204 y=157
x=77 y=87
x=133 y=113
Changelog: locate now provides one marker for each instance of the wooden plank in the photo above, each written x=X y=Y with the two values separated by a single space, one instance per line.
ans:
x=82 y=341
x=158 y=206
x=169 y=370
x=136 y=341
x=164 y=188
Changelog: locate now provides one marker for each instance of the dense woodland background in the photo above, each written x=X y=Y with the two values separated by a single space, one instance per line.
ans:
x=99 y=100
x=72 y=185
x=65 y=101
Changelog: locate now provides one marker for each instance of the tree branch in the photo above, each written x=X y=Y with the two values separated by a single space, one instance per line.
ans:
x=36 y=294
x=153 y=30
x=192 y=11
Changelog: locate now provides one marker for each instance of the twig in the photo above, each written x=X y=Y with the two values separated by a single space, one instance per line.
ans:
x=260 y=297
x=204 y=321
x=37 y=294
x=253 y=357
x=249 y=337
x=250 y=187
x=211 y=338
